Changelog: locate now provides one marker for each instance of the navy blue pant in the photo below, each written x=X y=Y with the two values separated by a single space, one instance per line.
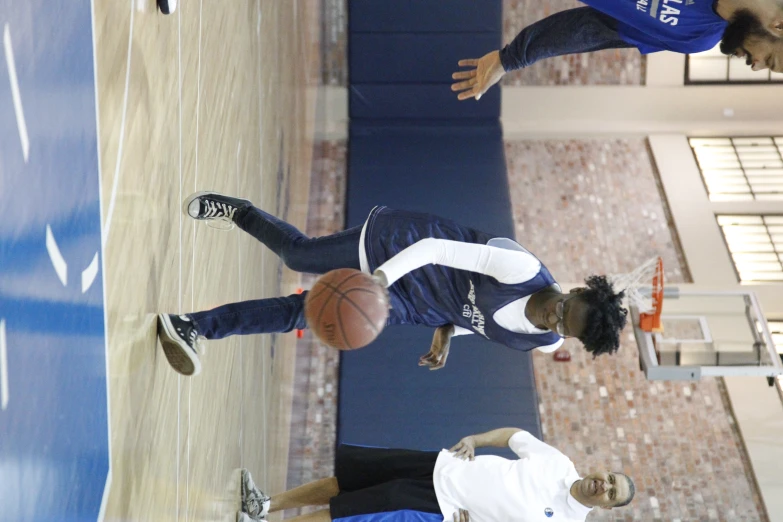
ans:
x=316 y=255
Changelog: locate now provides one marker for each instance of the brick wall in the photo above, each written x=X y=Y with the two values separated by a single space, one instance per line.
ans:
x=334 y=42
x=314 y=412
x=593 y=206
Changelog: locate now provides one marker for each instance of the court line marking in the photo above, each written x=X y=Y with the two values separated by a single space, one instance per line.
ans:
x=265 y=342
x=193 y=264
x=179 y=212
x=102 y=268
x=241 y=347
x=118 y=162
x=261 y=177
x=11 y=63
x=60 y=266
x=89 y=274
x=3 y=368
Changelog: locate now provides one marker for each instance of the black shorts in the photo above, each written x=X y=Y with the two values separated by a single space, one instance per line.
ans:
x=376 y=480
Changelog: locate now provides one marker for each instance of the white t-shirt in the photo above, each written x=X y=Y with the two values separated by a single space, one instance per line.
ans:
x=534 y=488
x=502 y=258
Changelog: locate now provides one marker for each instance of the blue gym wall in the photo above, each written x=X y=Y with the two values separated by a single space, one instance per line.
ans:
x=414 y=146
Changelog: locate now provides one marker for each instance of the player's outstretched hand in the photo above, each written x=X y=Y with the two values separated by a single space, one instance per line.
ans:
x=484 y=73
x=461 y=516
x=465 y=449
x=439 y=350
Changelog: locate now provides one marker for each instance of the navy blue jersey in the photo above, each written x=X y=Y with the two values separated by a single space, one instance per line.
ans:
x=683 y=26
x=436 y=295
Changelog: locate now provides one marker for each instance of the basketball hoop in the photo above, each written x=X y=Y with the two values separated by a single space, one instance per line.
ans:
x=648 y=300
x=651 y=321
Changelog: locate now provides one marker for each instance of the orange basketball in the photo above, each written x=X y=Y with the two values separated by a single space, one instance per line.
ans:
x=346 y=309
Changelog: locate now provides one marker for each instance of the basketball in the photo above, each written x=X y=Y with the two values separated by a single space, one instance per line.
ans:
x=346 y=309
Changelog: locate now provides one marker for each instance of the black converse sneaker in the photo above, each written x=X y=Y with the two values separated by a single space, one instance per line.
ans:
x=167 y=6
x=254 y=502
x=179 y=338
x=214 y=208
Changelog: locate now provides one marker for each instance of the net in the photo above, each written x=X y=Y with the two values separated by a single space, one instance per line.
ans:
x=637 y=284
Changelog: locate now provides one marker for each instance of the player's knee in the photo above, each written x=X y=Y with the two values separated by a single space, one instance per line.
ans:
x=295 y=257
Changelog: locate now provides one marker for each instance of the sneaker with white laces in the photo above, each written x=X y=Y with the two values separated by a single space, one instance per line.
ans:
x=254 y=502
x=179 y=338
x=244 y=517
x=214 y=208
x=167 y=6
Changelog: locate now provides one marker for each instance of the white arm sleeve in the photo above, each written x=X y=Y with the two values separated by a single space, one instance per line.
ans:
x=551 y=347
x=507 y=266
x=458 y=330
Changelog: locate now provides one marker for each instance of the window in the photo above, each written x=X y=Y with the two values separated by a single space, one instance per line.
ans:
x=776 y=331
x=756 y=246
x=713 y=67
x=741 y=169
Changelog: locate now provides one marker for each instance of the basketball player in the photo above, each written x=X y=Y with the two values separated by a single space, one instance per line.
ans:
x=438 y=273
x=747 y=28
x=452 y=485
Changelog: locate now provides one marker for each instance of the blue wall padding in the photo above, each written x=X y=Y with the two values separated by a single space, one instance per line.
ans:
x=414 y=146
x=387 y=400
x=401 y=56
x=414 y=58
x=425 y=16
x=452 y=169
x=425 y=101
x=456 y=170
x=404 y=515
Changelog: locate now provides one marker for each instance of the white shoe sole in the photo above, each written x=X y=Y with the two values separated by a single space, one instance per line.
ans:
x=181 y=357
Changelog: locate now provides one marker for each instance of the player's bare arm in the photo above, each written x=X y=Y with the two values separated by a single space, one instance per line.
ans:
x=465 y=449
x=439 y=350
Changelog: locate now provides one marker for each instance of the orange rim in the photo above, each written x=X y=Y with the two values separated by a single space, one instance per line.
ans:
x=651 y=321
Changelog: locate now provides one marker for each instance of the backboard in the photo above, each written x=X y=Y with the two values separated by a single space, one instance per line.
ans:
x=707 y=334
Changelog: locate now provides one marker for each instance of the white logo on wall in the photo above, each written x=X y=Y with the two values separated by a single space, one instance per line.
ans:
x=472 y=312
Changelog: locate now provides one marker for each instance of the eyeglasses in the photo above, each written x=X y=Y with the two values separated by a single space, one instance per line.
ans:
x=559 y=312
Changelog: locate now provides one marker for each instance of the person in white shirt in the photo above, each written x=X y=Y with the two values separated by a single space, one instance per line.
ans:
x=542 y=484
x=439 y=273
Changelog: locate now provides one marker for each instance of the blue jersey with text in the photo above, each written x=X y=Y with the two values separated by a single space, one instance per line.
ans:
x=436 y=295
x=683 y=26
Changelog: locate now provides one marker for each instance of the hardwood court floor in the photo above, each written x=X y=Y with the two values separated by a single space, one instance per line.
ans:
x=211 y=97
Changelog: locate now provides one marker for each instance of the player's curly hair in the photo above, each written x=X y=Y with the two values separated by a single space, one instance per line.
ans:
x=743 y=24
x=605 y=317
